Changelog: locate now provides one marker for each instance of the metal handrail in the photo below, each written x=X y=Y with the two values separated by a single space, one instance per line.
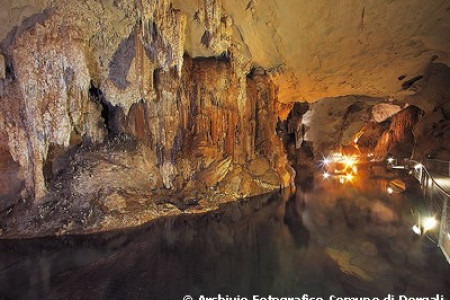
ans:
x=432 y=179
x=443 y=171
x=429 y=188
x=441 y=160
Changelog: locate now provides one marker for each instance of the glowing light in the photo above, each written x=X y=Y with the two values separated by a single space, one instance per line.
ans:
x=390 y=160
x=341 y=179
x=326 y=161
x=417 y=230
x=429 y=223
x=326 y=175
x=355 y=170
x=418 y=166
x=349 y=177
x=349 y=161
x=390 y=190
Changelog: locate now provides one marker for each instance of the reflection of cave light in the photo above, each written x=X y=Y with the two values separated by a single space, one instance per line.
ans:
x=390 y=160
x=416 y=230
x=390 y=190
x=429 y=223
x=418 y=166
x=349 y=161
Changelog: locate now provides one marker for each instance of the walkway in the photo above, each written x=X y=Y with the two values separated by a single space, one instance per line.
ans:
x=440 y=172
x=442 y=181
x=437 y=171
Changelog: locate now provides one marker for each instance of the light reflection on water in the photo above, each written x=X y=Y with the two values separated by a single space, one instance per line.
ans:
x=341 y=239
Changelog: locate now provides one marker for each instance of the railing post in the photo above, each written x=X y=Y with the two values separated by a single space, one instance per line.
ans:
x=433 y=192
x=431 y=189
x=443 y=227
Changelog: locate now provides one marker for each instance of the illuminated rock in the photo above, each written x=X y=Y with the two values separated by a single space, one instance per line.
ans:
x=161 y=93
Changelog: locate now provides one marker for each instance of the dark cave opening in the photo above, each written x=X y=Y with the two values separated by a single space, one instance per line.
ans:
x=96 y=94
x=409 y=83
x=113 y=116
x=222 y=57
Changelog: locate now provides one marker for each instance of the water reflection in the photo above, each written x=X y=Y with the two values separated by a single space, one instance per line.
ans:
x=342 y=239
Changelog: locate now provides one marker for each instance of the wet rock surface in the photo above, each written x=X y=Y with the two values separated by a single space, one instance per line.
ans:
x=194 y=141
x=361 y=126
x=105 y=122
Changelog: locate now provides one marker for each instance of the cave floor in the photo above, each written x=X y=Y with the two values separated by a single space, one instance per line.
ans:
x=327 y=238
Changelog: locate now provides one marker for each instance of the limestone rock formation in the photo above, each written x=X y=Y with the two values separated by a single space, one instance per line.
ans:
x=114 y=112
x=352 y=127
x=398 y=140
x=313 y=49
x=100 y=134
x=432 y=132
x=331 y=127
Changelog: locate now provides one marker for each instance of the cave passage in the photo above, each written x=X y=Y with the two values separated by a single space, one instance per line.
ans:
x=351 y=239
x=235 y=150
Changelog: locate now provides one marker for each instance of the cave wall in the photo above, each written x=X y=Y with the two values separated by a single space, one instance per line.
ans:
x=106 y=123
x=331 y=127
x=366 y=126
x=184 y=96
x=432 y=132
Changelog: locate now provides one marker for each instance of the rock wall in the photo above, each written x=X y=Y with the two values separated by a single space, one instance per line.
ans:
x=421 y=129
x=110 y=126
x=391 y=137
x=362 y=126
x=432 y=132
x=184 y=97
x=331 y=127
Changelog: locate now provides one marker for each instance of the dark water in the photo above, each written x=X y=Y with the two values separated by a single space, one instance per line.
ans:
x=347 y=239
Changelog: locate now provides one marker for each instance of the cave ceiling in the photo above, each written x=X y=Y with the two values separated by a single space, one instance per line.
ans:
x=312 y=49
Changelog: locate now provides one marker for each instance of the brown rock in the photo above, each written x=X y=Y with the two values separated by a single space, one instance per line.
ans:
x=369 y=248
x=94 y=105
x=115 y=203
x=370 y=136
x=398 y=139
x=270 y=177
x=258 y=166
x=247 y=184
x=215 y=172
x=231 y=183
